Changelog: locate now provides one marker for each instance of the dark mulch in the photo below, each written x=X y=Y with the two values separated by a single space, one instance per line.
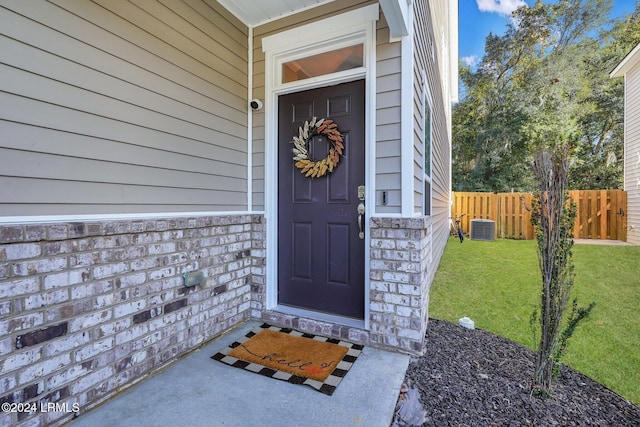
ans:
x=476 y=378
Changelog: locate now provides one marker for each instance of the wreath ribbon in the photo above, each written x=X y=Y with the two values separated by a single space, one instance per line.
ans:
x=311 y=167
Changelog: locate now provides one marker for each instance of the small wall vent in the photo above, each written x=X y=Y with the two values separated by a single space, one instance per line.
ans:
x=483 y=229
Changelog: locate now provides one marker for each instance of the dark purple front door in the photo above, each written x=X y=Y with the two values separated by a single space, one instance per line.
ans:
x=320 y=251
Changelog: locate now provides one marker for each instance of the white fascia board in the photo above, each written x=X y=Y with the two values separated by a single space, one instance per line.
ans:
x=396 y=13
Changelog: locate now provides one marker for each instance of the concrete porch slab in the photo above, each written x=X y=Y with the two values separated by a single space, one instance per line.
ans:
x=198 y=391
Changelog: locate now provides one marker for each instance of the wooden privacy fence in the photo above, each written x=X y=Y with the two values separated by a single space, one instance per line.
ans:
x=601 y=213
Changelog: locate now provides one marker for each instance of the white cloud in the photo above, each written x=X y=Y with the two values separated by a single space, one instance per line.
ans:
x=470 y=60
x=503 y=7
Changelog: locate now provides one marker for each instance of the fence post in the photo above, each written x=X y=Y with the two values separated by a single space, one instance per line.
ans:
x=574 y=195
x=605 y=207
x=623 y=217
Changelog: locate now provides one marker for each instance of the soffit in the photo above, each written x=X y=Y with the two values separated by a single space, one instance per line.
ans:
x=257 y=12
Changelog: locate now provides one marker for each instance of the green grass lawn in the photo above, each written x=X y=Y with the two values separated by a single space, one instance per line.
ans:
x=497 y=285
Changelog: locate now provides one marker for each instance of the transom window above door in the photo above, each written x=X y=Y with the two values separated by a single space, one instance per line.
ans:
x=326 y=52
x=346 y=58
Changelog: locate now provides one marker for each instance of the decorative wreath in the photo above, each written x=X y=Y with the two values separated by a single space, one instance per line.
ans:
x=317 y=168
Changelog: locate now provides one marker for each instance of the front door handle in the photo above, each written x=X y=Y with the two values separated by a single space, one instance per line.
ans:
x=361 y=211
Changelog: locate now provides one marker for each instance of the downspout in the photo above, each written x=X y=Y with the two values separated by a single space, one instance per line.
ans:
x=250 y=122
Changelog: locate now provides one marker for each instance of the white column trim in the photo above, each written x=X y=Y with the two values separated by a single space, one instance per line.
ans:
x=407 y=122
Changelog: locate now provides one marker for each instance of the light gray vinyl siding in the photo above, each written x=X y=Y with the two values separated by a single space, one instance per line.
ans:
x=121 y=107
x=388 y=81
x=424 y=33
x=388 y=119
x=419 y=107
x=632 y=153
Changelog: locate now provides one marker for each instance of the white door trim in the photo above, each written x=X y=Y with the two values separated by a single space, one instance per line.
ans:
x=327 y=34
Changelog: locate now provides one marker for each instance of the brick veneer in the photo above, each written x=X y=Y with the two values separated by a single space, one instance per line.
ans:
x=400 y=272
x=87 y=309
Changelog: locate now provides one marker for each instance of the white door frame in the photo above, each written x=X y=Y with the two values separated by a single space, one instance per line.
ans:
x=356 y=26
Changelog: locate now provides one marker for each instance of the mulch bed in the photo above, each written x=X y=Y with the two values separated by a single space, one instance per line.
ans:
x=476 y=378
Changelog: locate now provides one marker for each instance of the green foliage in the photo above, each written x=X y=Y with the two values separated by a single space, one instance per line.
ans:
x=542 y=96
x=497 y=285
x=550 y=69
x=553 y=216
x=577 y=315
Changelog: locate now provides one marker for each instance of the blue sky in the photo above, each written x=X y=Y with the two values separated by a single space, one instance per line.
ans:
x=479 y=17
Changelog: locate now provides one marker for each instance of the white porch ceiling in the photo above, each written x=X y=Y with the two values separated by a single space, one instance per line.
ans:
x=257 y=12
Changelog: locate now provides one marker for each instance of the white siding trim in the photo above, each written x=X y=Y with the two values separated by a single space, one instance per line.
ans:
x=370 y=155
x=427 y=100
x=318 y=30
x=624 y=133
x=453 y=53
x=627 y=63
x=40 y=219
x=407 y=143
x=358 y=25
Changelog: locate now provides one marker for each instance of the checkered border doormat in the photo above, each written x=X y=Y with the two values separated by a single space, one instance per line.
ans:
x=326 y=387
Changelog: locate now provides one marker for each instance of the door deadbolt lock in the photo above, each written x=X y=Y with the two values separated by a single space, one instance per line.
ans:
x=361 y=210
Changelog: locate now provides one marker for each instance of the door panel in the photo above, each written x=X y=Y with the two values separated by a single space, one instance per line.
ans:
x=338 y=244
x=320 y=255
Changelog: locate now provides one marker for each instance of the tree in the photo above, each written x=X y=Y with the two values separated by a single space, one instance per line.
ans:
x=553 y=216
x=598 y=161
x=554 y=131
x=553 y=220
x=486 y=123
x=533 y=101
x=571 y=44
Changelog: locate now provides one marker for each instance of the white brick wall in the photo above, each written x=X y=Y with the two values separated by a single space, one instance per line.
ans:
x=86 y=309
x=401 y=274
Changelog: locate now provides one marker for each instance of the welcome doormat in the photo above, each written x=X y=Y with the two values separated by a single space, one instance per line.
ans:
x=293 y=356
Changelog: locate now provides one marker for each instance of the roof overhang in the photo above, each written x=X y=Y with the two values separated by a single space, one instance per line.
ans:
x=257 y=12
x=629 y=61
x=397 y=14
x=253 y=12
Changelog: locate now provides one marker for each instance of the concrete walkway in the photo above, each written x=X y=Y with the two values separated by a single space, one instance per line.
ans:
x=198 y=391
x=601 y=242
